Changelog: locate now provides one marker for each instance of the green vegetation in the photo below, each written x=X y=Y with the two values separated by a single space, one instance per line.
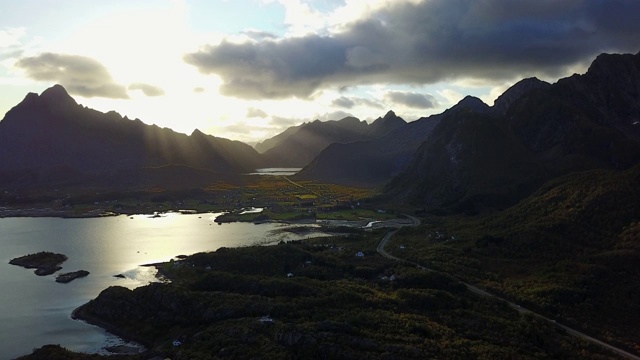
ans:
x=569 y=251
x=284 y=199
x=315 y=298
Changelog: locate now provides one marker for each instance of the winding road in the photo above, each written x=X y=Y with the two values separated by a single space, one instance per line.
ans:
x=415 y=222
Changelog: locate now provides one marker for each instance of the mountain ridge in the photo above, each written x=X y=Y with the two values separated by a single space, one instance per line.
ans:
x=298 y=146
x=52 y=131
x=557 y=129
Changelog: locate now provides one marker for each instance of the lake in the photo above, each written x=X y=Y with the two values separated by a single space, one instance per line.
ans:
x=35 y=310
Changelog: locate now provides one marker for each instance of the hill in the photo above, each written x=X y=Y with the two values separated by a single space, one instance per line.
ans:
x=570 y=251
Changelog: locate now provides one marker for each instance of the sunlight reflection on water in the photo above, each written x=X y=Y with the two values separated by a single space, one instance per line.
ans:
x=40 y=308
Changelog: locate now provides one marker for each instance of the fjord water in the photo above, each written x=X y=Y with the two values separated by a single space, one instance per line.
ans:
x=35 y=310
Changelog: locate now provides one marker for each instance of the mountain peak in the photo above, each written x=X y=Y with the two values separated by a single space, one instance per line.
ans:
x=473 y=103
x=57 y=97
x=56 y=93
x=390 y=115
x=502 y=103
x=614 y=67
x=383 y=125
x=197 y=133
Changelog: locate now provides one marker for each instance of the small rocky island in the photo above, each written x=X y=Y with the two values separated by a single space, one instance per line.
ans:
x=45 y=263
x=70 y=276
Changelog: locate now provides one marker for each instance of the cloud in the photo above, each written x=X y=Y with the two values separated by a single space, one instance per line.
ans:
x=198 y=89
x=334 y=115
x=259 y=35
x=284 y=122
x=411 y=99
x=350 y=102
x=425 y=42
x=147 y=89
x=80 y=75
x=256 y=113
x=343 y=102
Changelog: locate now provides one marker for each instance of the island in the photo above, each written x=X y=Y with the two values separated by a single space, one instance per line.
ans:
x=70 y=276
x=45 y=263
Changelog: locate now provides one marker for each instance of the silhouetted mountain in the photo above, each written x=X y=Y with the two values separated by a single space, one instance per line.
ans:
x=51 y=139
x=372 y=163
x=267 y=144
x=475 y=159
x=504 y=101
x=296 y=147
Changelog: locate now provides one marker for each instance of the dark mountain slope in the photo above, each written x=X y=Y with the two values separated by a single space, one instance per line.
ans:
x=267 y=144
x=546 y=132
x=51 y=133
x=469 y=160
x=504 y=101
x=302 y=145
x=374 y=162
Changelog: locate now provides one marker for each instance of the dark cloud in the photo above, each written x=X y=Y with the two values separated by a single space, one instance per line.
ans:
x=411 y=99
x=80 y=75
x=431 y=41
x=147 y=89
x=349 y=102
x=256 y=113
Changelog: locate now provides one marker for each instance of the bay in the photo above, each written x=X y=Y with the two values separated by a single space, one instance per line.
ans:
x=35 y=310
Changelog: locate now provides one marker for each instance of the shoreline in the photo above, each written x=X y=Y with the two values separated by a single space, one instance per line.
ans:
x=131 y=340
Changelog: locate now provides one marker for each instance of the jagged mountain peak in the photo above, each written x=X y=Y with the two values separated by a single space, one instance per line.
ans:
x=388 y=122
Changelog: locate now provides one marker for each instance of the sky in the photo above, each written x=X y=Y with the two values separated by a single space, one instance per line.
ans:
x=248 y=69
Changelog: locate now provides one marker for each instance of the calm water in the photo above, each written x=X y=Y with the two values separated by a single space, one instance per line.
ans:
x=36 y=310
x=277 y=171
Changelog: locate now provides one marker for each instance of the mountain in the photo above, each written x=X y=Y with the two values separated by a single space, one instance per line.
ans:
x=297 y=146
x=373 y=162
x=50 y=139
x=504 y=101
x=267 y=144
x=476 y=160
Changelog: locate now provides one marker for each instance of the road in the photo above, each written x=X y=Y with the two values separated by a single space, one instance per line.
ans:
x=415 y=222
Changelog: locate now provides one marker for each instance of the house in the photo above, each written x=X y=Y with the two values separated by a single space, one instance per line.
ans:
x=266 y=320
